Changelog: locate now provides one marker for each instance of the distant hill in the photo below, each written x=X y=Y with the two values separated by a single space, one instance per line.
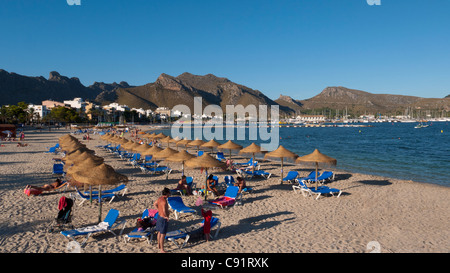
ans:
x=168 y=91
x=359 y=102
x=15 y=88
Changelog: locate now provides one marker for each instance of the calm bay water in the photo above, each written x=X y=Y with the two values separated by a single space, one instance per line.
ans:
x=396 y=150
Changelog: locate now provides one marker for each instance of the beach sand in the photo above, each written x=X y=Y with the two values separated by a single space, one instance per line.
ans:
x=400 y=216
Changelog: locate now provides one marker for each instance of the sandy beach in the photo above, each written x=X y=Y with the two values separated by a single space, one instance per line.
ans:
x=401 y=216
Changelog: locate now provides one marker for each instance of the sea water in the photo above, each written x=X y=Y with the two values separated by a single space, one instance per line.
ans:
x=396 y=150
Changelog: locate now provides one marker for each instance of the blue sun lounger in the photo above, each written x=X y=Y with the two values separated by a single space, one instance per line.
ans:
x=177 y=205
x=311 y=176
x=94 y=196
x=117 y=189
x=291 y=176
x=106 y=226
x=220 y=156
x=186 y=233
x=58 y=169
x=309 y=191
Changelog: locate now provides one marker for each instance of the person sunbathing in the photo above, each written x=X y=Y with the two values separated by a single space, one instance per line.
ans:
x=47 y=187
x=183 y=185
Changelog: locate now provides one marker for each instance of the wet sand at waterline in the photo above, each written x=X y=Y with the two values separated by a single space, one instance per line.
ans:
x=398 y=215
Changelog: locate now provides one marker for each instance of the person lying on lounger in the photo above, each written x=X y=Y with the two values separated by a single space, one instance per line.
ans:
x=47 y=187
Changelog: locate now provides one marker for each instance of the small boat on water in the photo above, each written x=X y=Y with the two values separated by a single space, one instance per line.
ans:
x=421 y=125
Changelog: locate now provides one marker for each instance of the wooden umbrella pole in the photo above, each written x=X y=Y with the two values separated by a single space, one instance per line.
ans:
x=206 y=182
x=100 y=203
x=317 y=167
x=281 y=180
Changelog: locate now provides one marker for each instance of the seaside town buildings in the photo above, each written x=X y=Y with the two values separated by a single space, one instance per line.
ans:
x=85 y=108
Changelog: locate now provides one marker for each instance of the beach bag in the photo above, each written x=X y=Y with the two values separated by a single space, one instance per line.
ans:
x=145 y=223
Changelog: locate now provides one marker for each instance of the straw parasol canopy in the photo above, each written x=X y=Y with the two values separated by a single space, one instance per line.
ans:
x=183 y=142
x=84 y=163
x=102 y=174
x=197 y=143
x=316 y=157
x=211 y=144
x=229 y=145
x=205 y=161
x=160 y=135
x=181 y=156
x=151 y=151
x=252 y=149
x=167 y=140
x=142 y=148
x=175 y=139
x=135 y=146
x=167 y=152
x=281 y=153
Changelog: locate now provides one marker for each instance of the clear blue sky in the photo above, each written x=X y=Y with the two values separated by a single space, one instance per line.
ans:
x=289 y=47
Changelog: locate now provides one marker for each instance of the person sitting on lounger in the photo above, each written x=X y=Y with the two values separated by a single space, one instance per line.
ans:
x=240 y=183
x=211 y=184
x=183 y=185
x=47 y=187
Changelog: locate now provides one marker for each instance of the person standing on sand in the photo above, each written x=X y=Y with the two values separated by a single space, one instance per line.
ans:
x=163 y=217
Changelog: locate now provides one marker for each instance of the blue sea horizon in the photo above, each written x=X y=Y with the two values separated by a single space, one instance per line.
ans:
x=395 y=150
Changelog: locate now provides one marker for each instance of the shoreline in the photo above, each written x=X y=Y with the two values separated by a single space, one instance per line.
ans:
x=403 y=216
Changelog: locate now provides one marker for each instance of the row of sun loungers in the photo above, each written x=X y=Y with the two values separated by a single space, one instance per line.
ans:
x=146 y=165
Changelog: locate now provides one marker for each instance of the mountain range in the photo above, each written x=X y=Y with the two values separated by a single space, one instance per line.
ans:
x=168 y=91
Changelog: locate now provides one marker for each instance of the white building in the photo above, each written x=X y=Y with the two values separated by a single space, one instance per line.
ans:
x=149 y=113
x=141 y=112
x=40 y=110
x=176 y=113
x=116 y=107
x=77 y=103
x=311 y=118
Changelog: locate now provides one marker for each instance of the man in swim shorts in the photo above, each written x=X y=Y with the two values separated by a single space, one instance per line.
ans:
x=163 y=217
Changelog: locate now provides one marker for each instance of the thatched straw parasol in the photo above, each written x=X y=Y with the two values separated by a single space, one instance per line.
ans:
x=211 y=144
x=183 y=142
x=142 y=148
x=229 y=145
x=197 y=143
x=167 y=152
x=181 y=156
x=102 y=174
x=205 y=161
x=135 y=146
x=316 y=157
x=281 y=153
x=84 y=162
x=252 y=149
x=160 y=136
x=151 y=150
x=167 y=140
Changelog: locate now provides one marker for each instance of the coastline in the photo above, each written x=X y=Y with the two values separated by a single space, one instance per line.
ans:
x=402 y=216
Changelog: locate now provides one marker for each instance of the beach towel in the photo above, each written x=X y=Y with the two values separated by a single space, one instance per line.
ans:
x=62 y=203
